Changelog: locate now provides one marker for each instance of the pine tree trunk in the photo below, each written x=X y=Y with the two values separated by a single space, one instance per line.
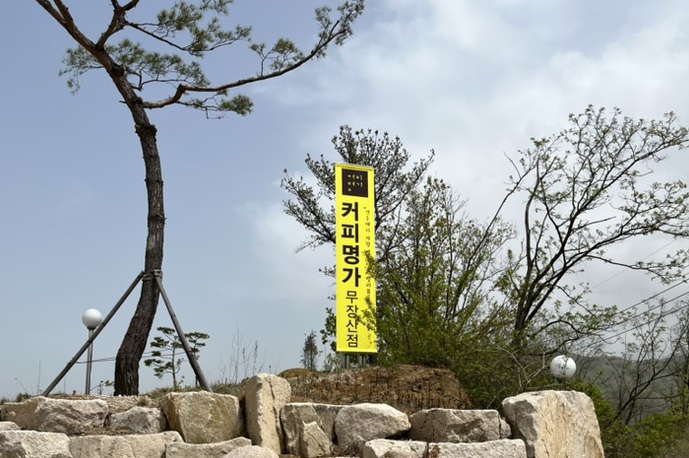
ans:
x=134 y=343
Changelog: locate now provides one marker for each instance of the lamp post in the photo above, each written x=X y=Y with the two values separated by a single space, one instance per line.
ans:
x=91 y=318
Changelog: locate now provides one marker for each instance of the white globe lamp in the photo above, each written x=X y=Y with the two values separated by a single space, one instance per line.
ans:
x=91 y=318
x=563 y=367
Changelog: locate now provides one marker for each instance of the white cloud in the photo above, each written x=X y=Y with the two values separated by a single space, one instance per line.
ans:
x=294 y=276
x=476 y=80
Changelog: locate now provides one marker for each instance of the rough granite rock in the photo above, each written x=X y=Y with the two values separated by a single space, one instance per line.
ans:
x=202 y=417
x=22 y=413
x=252 y=451
x=505 y=429
x=9 y=426
x=313 y=441
x=544 y=424
x=503 y=448
x=265 y=396
x=294 y=415
x=448 y=425
x=127 y=446
x=139 y=420
x=34 y=444
x=214 y=450
x=555 y=424
x=70 y=416
x=385 y=448
x=360 y=423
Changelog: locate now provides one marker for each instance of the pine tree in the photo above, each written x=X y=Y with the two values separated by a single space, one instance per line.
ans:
x=165 y=358
x=310 y=352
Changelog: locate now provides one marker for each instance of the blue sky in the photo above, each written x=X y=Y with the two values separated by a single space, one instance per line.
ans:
x=471 y=80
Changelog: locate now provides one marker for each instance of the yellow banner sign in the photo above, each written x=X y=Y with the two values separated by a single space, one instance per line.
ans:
x=355 y=246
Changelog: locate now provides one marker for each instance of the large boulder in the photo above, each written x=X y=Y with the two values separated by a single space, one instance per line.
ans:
x=385 y=448
x=503 y=448
x=69 y=416
x=22 y=413
x=33 y=444
x=214 y=450
x=555 y=424
x=448 y=425
x=265 y=396
x=139 y=420
x=295 y=415
x=202 y=417
x=360 y=423
x=313 y=442
x=127 y=446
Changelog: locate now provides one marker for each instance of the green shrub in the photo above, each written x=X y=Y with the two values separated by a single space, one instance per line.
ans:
x=657 y=434
x=654 y=437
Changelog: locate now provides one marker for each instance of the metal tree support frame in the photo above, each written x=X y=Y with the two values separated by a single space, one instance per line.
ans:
x=92 y=336
x=182 y=338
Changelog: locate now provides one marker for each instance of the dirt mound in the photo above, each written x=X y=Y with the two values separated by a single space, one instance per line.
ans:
x=407 y=388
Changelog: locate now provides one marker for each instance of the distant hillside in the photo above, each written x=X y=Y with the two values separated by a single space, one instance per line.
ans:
x=655 y=382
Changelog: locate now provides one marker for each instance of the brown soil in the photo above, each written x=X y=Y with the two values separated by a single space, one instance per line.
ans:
x=407 y=388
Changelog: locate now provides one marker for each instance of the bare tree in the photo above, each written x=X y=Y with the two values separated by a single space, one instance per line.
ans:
x=648 y=360
x=246 y=359
x=187 y=31
x=588 y=189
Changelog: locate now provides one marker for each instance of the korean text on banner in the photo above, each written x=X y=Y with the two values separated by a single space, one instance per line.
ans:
x=355 y=246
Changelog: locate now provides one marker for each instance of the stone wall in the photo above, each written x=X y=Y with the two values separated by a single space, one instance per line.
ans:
x=206 y=425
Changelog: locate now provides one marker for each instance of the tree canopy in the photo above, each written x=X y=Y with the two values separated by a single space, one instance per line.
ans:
x=162 y=53
x=586 y=190
x=314 y=208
